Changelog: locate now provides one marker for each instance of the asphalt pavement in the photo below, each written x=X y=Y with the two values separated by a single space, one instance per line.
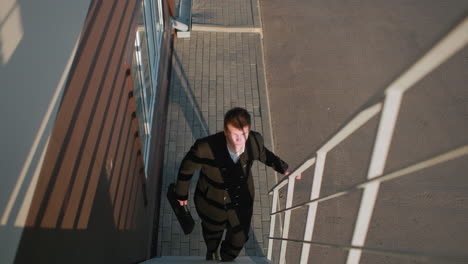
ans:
x=327 y=60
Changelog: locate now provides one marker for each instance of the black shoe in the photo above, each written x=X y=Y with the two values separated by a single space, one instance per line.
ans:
x=227 y=259
x=212 y=255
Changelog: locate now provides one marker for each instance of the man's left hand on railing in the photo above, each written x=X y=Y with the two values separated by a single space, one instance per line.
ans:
x=289 y=171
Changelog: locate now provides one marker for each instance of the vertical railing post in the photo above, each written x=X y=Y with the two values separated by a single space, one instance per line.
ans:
x=287 y=219
x=314 y=194
x=376 y=168
x=274 y=207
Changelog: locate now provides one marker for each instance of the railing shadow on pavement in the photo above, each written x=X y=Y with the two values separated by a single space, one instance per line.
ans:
x=387 y=102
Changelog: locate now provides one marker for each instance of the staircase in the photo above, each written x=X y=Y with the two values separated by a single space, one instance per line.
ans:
x=201 y=260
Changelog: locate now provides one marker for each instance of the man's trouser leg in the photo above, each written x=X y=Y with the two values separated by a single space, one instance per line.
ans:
x=236 y=236
x=212 y=235
x=233 y=243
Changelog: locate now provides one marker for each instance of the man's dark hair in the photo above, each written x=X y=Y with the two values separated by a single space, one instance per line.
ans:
x=238 y=117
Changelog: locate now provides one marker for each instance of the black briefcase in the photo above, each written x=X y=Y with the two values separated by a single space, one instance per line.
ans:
x=182 y=212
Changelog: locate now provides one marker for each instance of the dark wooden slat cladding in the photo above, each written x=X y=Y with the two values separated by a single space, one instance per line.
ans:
x=80 y=129
x=117 y=116
x=66 y=115
x=92 y=197
x=132 y=205
x=128 y=153
x=82 y=113
x=120 y=155
x=95 y=126
x=126 y=197
x=93 y=11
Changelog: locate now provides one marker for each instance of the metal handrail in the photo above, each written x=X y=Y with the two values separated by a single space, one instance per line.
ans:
x=305 y=165
x=447 y=156
x=357 y=120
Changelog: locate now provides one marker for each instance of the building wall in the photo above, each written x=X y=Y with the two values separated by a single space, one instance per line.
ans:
x=37 y=43
x=92 y=202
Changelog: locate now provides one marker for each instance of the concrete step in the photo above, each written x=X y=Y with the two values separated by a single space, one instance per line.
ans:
x=201 y=260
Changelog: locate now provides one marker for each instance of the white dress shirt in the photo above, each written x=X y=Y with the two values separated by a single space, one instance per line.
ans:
x=235 y=155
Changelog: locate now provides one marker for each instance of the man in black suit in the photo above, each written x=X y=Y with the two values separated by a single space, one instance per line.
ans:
x=225 y=191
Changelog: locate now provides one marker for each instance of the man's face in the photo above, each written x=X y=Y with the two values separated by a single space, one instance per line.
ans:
x=236 y=137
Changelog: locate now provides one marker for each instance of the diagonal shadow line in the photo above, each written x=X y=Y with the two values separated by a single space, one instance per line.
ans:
x=8 y=14
x=74 y=178
x=53 y=177
x=187 y=94
x=257 y=251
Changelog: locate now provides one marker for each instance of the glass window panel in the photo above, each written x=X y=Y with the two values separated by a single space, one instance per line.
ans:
x=145 y=67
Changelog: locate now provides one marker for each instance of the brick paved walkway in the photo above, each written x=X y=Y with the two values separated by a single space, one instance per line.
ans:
x=213 y=72
x=227 y=13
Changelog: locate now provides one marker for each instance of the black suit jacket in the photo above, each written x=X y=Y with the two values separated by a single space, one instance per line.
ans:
x=223 y=184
